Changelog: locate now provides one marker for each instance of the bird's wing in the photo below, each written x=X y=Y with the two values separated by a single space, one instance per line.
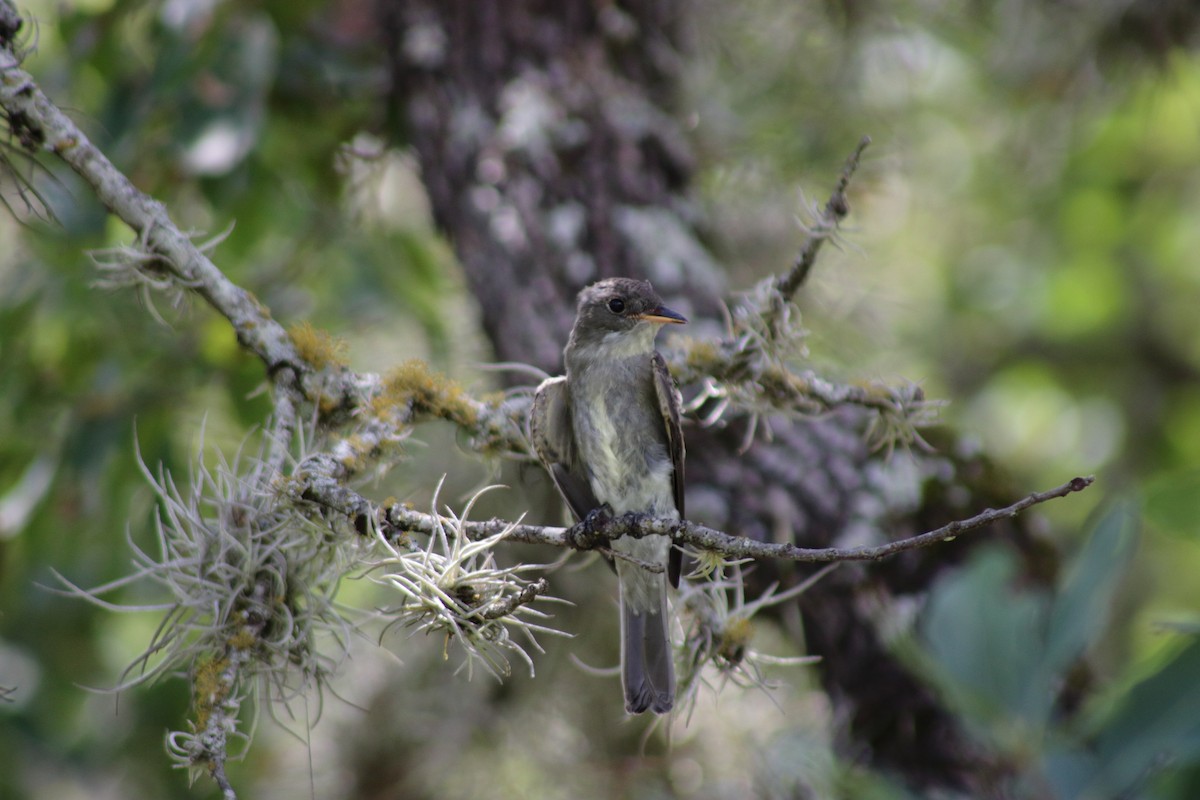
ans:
x=669 y=402
x=554 y=442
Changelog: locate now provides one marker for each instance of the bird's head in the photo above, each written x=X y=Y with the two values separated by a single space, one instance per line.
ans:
x=621 y=313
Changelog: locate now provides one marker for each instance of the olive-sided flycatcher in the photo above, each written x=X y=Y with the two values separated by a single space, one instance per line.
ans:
x=608 y=432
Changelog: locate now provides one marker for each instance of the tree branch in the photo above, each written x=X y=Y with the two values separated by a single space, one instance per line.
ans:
x=36 y=120
x=752 y=370
x=398 y=520
x=171 y=254
x=825 y=225
x=512 y=602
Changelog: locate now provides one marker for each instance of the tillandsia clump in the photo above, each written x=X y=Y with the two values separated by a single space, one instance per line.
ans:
x=719 y=628
x=454 y=587
x=252 y=582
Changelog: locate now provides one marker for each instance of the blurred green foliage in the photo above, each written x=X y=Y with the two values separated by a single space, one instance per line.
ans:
x=1022 y=242
x=227 y=113
x=1004 y=664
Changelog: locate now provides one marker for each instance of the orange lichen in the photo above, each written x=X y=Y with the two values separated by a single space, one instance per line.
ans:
x=244 y=639
x=208 y=688
x=317 y=347
x=413 y=384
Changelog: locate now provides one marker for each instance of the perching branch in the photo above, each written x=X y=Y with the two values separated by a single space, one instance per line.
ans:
x=398 y=520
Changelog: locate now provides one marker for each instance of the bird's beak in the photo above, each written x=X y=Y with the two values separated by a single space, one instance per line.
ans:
x=662 y=315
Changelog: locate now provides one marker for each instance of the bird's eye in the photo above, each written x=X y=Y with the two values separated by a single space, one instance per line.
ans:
x=616 y=305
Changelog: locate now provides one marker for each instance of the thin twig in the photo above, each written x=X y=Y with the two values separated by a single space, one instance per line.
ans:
x=222 y=781
x=823 y=227
x=514 y=601
x=399 y=519
x=741 y=547
x=283 y=428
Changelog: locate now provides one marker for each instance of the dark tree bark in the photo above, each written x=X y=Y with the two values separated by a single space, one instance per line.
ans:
x=547 y=143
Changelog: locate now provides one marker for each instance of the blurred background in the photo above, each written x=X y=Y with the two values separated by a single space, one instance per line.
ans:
x=1022 y=244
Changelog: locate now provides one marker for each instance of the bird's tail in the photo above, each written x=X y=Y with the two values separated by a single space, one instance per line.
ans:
x=647 y=668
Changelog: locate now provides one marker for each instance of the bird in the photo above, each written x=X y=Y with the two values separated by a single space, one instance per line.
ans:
x=608 y=432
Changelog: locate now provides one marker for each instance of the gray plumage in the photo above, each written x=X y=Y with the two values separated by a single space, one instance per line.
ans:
x=608 y=432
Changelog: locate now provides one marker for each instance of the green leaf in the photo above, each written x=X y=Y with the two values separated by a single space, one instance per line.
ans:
x=1157 y=725
x=1068 y=770
x=1080 y=610
x=986 y=639
x=1000 y=650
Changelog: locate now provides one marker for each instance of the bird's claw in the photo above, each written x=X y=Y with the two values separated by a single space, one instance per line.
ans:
x=588 y=535
x=597 y=518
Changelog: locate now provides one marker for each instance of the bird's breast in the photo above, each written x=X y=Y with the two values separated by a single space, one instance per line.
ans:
x=622 y=442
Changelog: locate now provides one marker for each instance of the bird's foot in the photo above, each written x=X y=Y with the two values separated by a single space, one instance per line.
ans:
x=587 y=535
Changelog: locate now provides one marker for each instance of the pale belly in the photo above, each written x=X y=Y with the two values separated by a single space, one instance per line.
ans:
x=631 y=472
x=628 y=472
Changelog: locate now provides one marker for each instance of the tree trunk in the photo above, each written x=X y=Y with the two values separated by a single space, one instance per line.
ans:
x=548 y=147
